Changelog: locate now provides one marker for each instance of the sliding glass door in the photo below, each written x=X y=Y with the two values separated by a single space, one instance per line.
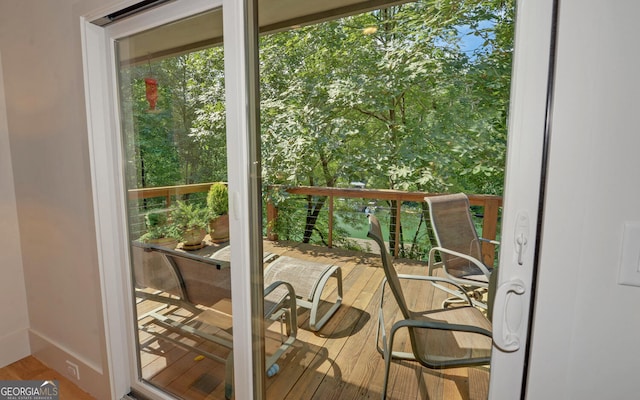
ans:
x=346 y=101
x=172 y=203
x=177 y=203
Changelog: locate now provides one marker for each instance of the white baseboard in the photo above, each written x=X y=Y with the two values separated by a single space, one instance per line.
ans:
x=15 y=346
x=92 y=379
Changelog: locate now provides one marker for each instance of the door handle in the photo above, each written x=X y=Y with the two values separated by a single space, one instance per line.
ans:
x=507 y=323
x=521 y=235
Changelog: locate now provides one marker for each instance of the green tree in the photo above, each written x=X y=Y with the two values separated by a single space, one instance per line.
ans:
x=184 y=140
x=389 y=98
x=392 y=97
x=306 y=139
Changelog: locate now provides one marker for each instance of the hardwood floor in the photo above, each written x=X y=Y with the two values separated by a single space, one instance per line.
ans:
x=338 y=362
x=30 y=368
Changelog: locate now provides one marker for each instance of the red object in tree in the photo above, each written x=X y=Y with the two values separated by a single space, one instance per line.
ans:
x=152 y=92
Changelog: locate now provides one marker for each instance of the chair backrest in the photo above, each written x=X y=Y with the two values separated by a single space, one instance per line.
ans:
x=390 y=272
x=453 y=228
x=151 y=270
x=194 y=279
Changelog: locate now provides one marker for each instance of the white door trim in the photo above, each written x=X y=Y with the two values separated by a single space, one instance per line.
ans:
x=243 y=161
x=107 y=203
x=521 y=204
x=107 y=173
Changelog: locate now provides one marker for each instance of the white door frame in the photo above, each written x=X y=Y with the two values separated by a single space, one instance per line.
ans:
x=245 y=202
x=522 y=202
x=527 y=119
x=105 y=146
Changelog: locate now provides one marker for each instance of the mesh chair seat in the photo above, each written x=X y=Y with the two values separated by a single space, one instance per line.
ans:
x=471 y=273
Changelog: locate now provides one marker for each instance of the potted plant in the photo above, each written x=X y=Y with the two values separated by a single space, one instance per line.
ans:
x=218 y=207
x=192 y=220
x=160 y=230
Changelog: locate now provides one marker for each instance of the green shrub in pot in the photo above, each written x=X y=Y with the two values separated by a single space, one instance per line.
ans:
x=160 y=229
x=218 y=207
x=192 y=219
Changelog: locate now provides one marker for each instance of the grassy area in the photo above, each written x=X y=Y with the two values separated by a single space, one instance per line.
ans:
x=410 y=222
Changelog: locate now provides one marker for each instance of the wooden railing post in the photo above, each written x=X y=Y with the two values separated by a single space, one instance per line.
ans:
x=272 y=216
x=490 y=229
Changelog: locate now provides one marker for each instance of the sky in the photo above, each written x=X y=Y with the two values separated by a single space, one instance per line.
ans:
x=470 y=42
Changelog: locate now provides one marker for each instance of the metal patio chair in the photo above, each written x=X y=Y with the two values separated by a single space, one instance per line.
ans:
x=199 y=284
x=440 y=338
x=458 y=246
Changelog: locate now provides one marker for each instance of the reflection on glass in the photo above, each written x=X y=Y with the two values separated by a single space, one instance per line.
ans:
x=171 y=82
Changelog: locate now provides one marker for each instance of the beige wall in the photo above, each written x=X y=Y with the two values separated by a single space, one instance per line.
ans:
x=42 y=63
x=14 y=335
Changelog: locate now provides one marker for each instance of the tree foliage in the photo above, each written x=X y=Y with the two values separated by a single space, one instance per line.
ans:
x=392 y=98
x=395 y=98
x=183 y=141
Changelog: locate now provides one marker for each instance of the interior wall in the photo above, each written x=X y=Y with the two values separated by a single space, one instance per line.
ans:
x=586 y=324
x=14 y=330
x=42 y=61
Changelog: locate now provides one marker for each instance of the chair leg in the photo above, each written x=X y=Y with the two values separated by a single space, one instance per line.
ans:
x=314 y=324
x=478 y=294
x=387 y=365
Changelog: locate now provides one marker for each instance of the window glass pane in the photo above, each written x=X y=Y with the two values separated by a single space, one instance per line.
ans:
x=368 y=113
x=172 y=107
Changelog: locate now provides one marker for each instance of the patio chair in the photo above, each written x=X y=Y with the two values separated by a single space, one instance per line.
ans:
x=308 y=279
x=194 y=282
x=458 y=246
x=440 y=338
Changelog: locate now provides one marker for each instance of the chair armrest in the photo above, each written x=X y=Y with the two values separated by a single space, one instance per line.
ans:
x=409 y=323
x=475 y=261
x=467 y=361
x=275 y=284
x=289 y=302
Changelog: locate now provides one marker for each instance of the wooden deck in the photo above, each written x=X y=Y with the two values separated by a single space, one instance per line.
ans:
x=338 y=362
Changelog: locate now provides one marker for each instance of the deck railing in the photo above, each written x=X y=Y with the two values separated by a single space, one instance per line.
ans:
x=491 y=206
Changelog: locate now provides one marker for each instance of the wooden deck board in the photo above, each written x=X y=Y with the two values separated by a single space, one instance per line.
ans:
x=340 y=347
x=330 y=340
x=340 y=361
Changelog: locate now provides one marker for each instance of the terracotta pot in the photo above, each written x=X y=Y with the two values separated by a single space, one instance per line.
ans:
x=170 y=243
x=193 y=237
x=219 y=229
